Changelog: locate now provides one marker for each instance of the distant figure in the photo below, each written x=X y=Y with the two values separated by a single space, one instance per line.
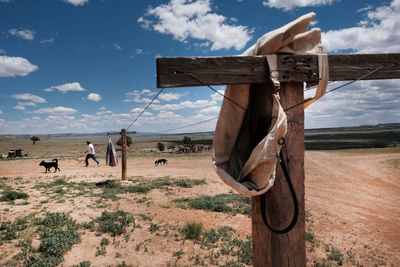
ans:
x=161 y=162
x=90 y=154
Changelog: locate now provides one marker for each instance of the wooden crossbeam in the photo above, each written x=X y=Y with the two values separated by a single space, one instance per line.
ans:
x=196 y=71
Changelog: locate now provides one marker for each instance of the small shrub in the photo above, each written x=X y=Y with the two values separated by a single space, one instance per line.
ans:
x=8 y=230
x=84 y=264
x=140 y=188
x=178 y=254
x=310 y=236
x=335 y=255
x=189 y=183
x=11 y=195
x=114 y=223
x=154 y=228
x=227 y=203
x=192 y=230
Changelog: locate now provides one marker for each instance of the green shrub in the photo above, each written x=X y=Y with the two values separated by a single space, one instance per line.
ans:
x=335 y=255
x=189 y=183
x=114 y=223
x=58 y=232
x=192 y=230
x=310 y=236
x=227 y=203
x=8 y=230
x=10 y=195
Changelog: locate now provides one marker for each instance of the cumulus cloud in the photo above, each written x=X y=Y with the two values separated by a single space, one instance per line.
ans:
x=77 y=2
x=202 y=103
x=169 y=96
x=140 y=96
x=66 y=87
x=29 y=98
x=291 y=4
x=19 y=107
x=379 y=32
x=56 y=111
x=15 y=66
x=185 y=19
x=210 y=110
x=23 y=34
x=364 y=102
x=94 y=97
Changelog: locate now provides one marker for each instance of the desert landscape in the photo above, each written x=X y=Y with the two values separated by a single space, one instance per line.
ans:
x=182 y=214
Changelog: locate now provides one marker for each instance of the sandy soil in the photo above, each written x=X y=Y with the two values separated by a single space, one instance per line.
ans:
x=352 y=202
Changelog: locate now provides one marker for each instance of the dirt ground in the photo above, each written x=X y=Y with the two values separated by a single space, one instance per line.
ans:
x=352 y=206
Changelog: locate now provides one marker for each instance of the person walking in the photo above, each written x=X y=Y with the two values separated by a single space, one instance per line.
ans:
x=90 y=154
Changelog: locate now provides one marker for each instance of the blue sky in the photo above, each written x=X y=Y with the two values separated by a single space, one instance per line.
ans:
x=89 y=65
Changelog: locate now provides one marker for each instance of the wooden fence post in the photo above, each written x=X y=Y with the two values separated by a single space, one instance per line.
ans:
x=123 y=141
x=270 y=249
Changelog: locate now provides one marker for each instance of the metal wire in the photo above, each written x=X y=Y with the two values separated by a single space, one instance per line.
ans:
x=148 y=105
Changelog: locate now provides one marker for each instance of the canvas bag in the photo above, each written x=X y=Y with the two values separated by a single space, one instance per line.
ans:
x=251 y=171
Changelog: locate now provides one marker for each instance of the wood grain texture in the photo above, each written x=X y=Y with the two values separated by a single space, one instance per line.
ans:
x=197 y=71
x=288 y=249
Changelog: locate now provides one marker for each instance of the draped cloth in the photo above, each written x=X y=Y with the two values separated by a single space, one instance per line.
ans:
x=111 y=155
x=250 y=169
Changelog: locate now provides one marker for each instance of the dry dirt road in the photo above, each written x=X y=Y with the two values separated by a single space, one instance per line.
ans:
x=352 y=206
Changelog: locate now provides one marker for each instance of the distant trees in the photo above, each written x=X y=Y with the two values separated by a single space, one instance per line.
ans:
x=35 y=139
x=187 y=140
x=160 y=146
x=128 y=141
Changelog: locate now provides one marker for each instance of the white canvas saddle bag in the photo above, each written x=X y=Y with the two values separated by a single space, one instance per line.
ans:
x=250 y=168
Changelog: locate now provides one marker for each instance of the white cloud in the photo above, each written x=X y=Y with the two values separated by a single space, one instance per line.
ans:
x=30 y=104
x=291 y=4
x=47 y=41
x=364 y=102
x=66 y=87
x=15 y=66
x=77 y=2
x=169 y=96
x=210 y=110
x=1 y=112
x=56 y=111
x=378 y=33
x=202 y=103
x=30 y=98
x=19 y=107
x=117 y=46
x=185 y=19
x=218 y=97
x=140 y=96
x=94 y=97
x=23 y=34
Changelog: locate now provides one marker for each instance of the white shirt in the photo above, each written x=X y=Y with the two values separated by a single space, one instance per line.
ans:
x=91 y=149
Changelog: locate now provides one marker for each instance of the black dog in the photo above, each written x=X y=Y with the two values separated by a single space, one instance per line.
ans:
x=48 y=165
x=161 y=161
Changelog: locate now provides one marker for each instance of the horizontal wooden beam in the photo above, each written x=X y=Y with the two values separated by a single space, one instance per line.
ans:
x=196 y=71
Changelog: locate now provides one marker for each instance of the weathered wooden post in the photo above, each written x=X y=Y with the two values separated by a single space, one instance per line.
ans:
x=123 y=154
x=271 y=249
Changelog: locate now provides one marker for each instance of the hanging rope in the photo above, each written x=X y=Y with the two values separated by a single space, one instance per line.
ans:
x=148 y=105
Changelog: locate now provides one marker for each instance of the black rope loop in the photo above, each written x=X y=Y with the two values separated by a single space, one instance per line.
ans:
x=263 y=206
